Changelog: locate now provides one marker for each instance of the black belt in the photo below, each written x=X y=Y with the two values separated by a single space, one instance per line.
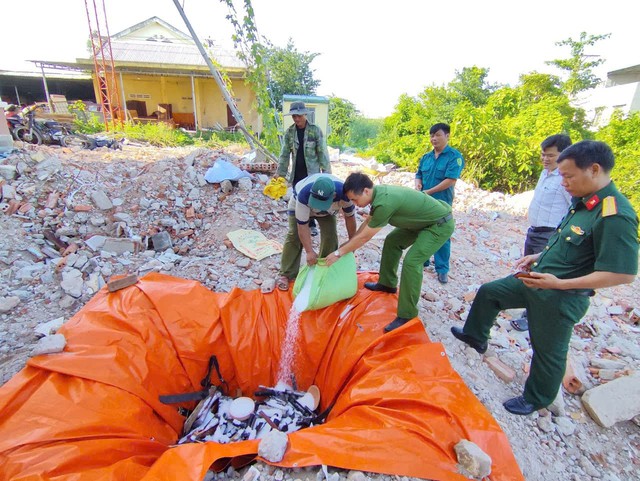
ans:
x=542 y=229
x=580 y=292
x=442 y=220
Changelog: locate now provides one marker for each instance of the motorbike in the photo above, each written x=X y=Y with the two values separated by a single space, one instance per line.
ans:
x=14 y=122
x=37 y=131
x=92 y=142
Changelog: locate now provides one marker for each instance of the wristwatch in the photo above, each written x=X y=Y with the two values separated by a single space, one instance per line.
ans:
x=337 y=253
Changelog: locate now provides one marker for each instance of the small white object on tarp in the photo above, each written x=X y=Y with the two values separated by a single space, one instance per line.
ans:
x=223 y=170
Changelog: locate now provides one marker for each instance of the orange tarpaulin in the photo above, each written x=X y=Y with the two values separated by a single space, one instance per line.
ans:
x=92 y=412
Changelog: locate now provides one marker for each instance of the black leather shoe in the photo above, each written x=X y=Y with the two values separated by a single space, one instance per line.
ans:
x=374 y=286
x=481 y=347
x=519 y=405
x=395 y=324
x=443 y=277
x=521 y=324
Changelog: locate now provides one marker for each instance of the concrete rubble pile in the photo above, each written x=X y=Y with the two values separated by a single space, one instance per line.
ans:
x=73 y=219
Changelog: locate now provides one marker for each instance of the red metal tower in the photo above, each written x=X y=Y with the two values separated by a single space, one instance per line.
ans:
x=103 y=63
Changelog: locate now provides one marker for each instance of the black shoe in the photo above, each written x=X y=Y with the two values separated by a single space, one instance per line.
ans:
x=396 y=323
x=443 y=277
x=481 y=347
x=374 y=286
x=518 y=405
x=521 y=324
x=314 y=231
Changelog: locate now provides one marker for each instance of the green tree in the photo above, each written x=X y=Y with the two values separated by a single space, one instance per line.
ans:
x=252 y=51
x=498 y=130
x=363 y=132
x=290 y=72
x=622 y=135
x=501 y=140
x=579 y=66
x=342 y=114
x=403 y=133
x=404 y=136
x=471 y=85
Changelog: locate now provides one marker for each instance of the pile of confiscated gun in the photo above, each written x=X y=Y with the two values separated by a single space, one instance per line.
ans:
x=223 y=419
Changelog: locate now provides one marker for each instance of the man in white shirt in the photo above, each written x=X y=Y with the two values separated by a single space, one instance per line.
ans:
x=549 y=205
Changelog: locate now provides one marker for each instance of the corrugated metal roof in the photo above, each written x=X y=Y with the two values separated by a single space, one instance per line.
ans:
x=170 y=53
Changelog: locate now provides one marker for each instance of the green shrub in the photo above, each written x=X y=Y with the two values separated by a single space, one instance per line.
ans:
x=363 y=131
x=623 y=136
x=157 y=133
x=218 y=138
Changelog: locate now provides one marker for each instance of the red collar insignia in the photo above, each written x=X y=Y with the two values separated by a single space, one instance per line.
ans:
x=592 y=202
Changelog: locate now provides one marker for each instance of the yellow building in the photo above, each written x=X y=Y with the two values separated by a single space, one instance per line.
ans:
x=161 y=75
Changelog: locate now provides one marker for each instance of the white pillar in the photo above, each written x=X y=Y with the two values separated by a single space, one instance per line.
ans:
x=193 y=98
x=46 y=88
x=124 y=99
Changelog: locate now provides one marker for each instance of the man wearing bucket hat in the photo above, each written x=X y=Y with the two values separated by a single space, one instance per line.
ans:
x=318 y=196
x=305 y=143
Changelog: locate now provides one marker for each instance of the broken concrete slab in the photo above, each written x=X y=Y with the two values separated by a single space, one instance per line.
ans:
x=8 y=303
x=273 y=446
x=472 y=460
x=119 y=246
x=101 y=200
x=49 y=345
x=615 y=401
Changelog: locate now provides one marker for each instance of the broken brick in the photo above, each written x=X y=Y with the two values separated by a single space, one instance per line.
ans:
x=82 y=208
x=117 y=284
x=469 y=296
x=572 y=380
x=52 y=200
x=186 y=233
x=190 y=213
x=73 y=247
x=24 y=208
x=501 y=370
x=14 y=205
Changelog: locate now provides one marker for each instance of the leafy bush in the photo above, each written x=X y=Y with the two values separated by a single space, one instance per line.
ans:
x=363 y=131
x=342 y=114
x=498 y=130
x=156 y=133
x=623 y=136
x=218 y=138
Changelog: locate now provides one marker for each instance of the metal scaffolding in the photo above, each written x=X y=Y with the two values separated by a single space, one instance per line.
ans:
x=104 y=68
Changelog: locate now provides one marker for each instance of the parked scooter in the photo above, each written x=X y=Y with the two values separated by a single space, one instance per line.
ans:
x=36 y=131
x=14 y=120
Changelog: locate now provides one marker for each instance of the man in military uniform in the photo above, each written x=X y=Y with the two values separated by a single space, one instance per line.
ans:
x=437 y=174
x=304 y=142
x=595 y=246
x=421 y=223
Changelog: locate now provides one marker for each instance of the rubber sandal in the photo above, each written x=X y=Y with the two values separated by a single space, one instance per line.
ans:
x=282 y=283
x=521 y=324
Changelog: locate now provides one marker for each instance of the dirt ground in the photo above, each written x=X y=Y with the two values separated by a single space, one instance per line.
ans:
x=50 y=193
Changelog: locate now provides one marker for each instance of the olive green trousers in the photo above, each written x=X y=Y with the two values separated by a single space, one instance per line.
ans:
x=552 y=315
x=292 y=248
x=422 y=245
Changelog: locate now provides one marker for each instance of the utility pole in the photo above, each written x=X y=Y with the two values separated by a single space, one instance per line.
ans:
x=217 y=77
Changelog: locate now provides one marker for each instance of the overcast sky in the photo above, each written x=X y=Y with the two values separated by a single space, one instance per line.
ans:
x=371 y=51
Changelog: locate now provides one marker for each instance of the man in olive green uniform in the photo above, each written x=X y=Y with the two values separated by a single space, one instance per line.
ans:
x=422 y=224
x=303 y=143
x=595 y=246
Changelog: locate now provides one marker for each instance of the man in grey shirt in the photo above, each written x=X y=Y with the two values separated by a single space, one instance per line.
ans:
x=549 y=205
